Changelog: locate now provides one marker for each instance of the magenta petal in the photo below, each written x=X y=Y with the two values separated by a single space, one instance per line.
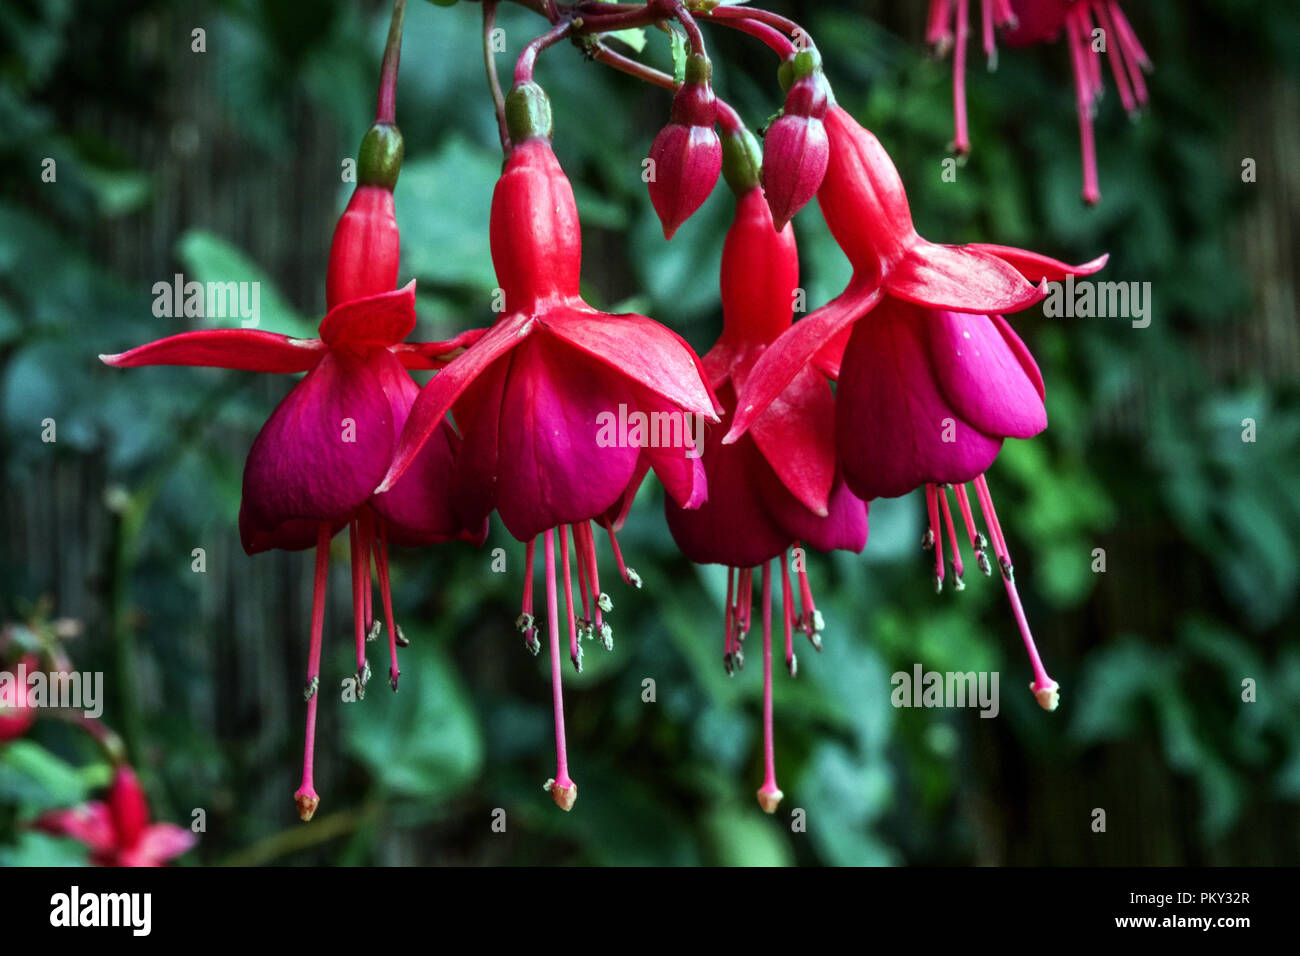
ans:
x=891 y=420
x=375 y=321
x=553 y=467
x=419 y=505
x=784 y=358
x=323 y=450
x=961 y=279
x=734 y=526
x=297 y=535
x=981 y=377
x=639 y=348
x=248 y=350
x=682 y=476
x=478 y=417
x=440 y=394
x=844 y=527
x=795 y=437
x=1021 y=352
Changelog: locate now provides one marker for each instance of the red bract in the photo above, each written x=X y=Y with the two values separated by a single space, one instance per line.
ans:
x=687 y=154
x=536 y=395
x=796 y=148
x=117 y=830
x=777 y=486
x=933 y=381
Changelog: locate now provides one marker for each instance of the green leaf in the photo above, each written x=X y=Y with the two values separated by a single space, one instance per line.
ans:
x=209 y=258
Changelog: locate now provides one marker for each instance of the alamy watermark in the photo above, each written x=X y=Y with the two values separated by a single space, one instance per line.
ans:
x=1086 y=299
x=210 y=300
x=951 y=689
x=638 y=429
x=66 y=689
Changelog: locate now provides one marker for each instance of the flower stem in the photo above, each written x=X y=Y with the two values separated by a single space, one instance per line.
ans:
x=386 y=109
x=490 y=63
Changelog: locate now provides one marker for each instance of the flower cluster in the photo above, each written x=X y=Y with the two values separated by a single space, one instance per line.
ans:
x=929 y=376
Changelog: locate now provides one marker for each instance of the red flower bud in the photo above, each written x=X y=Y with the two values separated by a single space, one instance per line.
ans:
x=687 y=154
x=796 y=149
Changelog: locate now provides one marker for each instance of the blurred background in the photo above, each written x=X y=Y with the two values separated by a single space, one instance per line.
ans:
x=225 y=165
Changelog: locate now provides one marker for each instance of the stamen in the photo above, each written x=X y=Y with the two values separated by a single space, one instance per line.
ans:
x=1005 y=16
x=1115 y=54
x=358 y=601
x=629 y=574
x=575 y=649
x=1046 y=690
x=937 y=34
x=955 y=562
x=729 y=618
x=526 y=623
x=306 y=797
x=961 y=139
x=585 y=629
x=933 y=535
x=812 y=621
x=1135 y=58
x=977 y=541
x=599 y=597
x=1083 y=102
x=365 y=532
x=386 y=595
x=745 y=600
x=787 y=612
x=561 y=788
x=769 y=794
x=990 y=45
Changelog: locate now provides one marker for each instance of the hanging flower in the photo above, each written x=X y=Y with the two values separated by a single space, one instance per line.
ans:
x=537 y=396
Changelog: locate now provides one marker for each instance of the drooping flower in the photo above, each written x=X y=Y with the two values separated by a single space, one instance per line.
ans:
x=1091 y=27
x=686 y=153
x=117 y=829
x=536 y=395
x=931 y=377
x=777 y=487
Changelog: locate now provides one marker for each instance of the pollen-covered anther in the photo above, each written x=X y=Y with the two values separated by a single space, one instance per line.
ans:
x=564 y=796
x=769 y=798
x=309 y=691
x=982 y=560
x=927 y=540
x=739 y=658
x=307 y=802
x=1048 y=695
x=375 y=628
x=633 y=578
x=728 y=664
x=363 y=678
x=605 y=602
x=818 y=622
x=401 y=638
x=525 y=623
x=607 y=637
x=792 y=663
x=957 y=583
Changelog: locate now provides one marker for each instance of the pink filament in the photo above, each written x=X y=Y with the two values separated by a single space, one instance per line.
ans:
x=769 y=745
x=936 y=534
x=386 y=595
x=557 y=694
x=961 y=138
x=957 y=568
x=308 y=788
x=787 y=612
x=575 y=653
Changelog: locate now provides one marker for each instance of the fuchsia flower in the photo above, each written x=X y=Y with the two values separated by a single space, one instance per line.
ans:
x=315 y=466
x=931 y=377
x=117 y=830
x=1092 y=27
x=529 y=396
x=687 y=154
x=777 y=486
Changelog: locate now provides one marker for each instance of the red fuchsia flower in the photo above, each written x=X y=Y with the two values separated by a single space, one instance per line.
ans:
x=933 y=381
x=686 y=155
x=530 y=397
x=17 y=708
x=1091 y=27
x=795 y=147
x=117 y=830
x=316 y=465
x=777 y=487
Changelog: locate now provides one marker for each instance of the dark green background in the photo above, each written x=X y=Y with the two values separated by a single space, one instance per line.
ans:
x=226 y=165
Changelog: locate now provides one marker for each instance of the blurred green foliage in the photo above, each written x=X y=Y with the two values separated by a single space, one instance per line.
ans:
x=1143 y=458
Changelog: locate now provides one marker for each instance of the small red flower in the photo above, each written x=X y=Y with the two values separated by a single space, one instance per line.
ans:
x=796 y=148
x=117 y=830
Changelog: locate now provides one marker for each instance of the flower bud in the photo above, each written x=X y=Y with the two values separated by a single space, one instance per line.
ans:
x=687 y=154
x=796 y=149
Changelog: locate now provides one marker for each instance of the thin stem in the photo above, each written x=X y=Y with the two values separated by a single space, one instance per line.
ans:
x=784 y=24
x=386 y=108
x=528 y=58
x=775 y=40
x=490 y=63
x=691 y=27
